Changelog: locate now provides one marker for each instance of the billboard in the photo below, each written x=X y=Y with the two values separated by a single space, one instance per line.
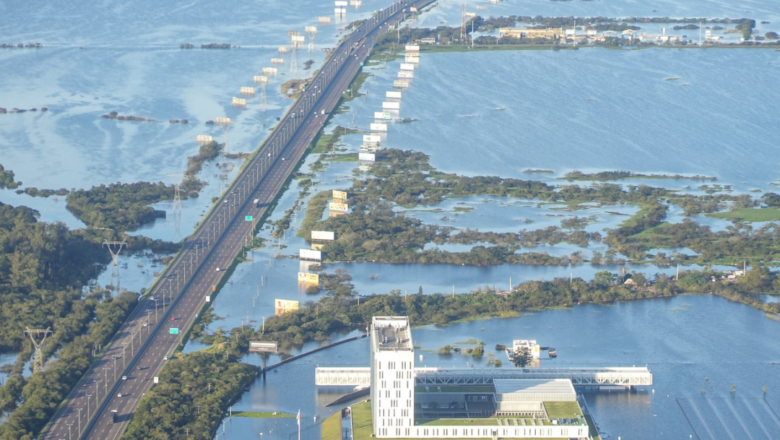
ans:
x=407 y=66
x=401 y=84
x=323 y=235
x=412 y=59
x=371 y=138
x=339 y=195
x=239 y=102
x=382 y=115
x=404 y=74
x=378 y=127
x=308 y=254
x=337 y=214
x=308 y=278
x=284 y=306
x=262 y=347
x=247 y=90
x=298 y=38
x=341 y=3
x=391 y=105
x=370 y=157
x=413 y=9
x=393 y=95
x=341 y=11
x=342 y=207
x=412 y=48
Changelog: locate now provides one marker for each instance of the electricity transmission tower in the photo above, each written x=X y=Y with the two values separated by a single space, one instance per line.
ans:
x=38 y=356
x=224 y=124
x=263 y=81
x=311 y=31
x=177 y=181
x=115 y=259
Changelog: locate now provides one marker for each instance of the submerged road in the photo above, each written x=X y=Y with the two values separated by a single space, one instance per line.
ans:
x=123 y=372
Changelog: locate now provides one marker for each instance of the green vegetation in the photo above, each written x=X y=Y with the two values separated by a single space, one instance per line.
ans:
x=326 y=143
x=7 y=179
x=374 y=231
x=521 y=357
x=331 y=427
x=191 y=183
x=750 y=214
x=339 y=311
x=262 y=414
x=361 y=421
x=192 y=394
x=618 y=175
x=95 y=323
x=119 y=206
x=563 y=410
x=42 y=269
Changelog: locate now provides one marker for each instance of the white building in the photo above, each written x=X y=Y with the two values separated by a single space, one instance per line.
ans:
x=392 y=377
x=530 y=344
x=393 y=397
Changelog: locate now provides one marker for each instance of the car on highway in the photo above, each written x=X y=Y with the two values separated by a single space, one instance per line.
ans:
x=165 y=358
x=124 y=377
x=119 y=395
x=217 y=269
x=173 y=318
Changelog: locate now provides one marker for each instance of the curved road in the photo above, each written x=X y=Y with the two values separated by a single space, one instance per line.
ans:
x=139 y=349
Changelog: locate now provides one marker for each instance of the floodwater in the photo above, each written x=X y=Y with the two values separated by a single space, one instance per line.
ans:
x=688 y=342
x=593 y=110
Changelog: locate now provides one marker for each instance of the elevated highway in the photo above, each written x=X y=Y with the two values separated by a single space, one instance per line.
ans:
x=139 y=349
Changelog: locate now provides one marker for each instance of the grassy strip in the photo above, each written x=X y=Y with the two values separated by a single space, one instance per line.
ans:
x=263 y=415
x=749 y=214
x=563 y=410
x=331 y=427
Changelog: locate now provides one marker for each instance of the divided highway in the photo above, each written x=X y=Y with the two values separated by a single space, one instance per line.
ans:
x=140 y=348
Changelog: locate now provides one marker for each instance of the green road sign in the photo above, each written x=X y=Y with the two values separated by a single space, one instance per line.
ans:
x=174 y=331
x=248 y=218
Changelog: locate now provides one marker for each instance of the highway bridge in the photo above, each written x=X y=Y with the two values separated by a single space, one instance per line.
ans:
x=613 y=376
x=139 y=349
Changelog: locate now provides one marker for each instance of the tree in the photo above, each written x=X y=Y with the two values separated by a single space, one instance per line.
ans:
x=521 y=357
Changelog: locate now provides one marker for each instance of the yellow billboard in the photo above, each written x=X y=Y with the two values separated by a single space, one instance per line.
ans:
x=339 y=195
x=283 y=306
x=337 y=214
x=341 y=207
x=308 y=278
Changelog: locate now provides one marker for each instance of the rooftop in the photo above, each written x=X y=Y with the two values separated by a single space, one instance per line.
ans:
x=391 y=333
x=536 y=386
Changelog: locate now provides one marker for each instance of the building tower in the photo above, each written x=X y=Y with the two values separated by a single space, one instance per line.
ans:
x=392 y=377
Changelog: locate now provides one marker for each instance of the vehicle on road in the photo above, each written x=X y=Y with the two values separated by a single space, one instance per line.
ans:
x=165 y=358
x=119 y=395
x=173 y=318
x=113 y=416
x=217 y=269
x=124 y=377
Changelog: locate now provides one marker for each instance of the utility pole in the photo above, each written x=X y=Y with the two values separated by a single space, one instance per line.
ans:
x=32 y=333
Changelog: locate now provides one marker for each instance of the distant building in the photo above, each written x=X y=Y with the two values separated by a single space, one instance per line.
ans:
x=392 y=376
x=530 y=344
x=544 y=408
x=546 y=33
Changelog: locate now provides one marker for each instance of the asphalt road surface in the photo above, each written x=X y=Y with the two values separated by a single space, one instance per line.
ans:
x=125 y=370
